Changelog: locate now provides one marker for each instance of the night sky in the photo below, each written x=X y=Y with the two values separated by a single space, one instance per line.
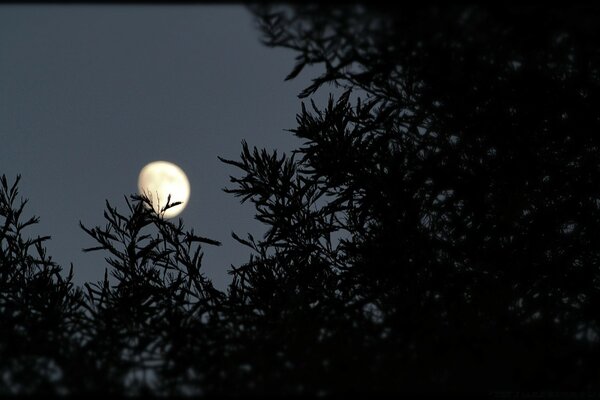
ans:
x=90 y=94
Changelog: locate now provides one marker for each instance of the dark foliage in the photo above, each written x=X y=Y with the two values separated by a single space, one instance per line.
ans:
x=437 y=230
x=142 y=327
x=471 y=175
x=39 y=308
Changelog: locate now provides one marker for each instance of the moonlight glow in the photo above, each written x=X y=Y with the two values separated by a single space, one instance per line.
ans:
x=158 y=180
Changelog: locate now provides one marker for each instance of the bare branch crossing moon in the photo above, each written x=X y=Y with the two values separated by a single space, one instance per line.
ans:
x=158 y=180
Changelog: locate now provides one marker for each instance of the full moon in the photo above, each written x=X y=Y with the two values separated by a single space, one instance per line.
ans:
x=158 y=180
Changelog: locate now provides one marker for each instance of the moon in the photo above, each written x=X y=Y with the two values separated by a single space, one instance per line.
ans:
x=158 y=180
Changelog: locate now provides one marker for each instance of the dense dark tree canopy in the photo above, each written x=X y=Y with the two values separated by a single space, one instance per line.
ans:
x=467 y=175
x=438 y=229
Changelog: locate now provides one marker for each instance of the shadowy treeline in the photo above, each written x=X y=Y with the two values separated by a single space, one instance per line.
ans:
x=439 y=229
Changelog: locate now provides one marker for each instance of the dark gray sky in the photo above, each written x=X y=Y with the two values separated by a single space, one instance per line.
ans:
x=90 y=94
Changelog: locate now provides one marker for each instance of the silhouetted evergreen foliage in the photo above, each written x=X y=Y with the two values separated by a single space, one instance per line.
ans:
x=143 y=327
x=466 y=171
x=437 y=230
x=39 y=308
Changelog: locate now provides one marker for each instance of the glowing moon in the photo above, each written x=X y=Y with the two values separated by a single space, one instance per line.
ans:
x=158 y=180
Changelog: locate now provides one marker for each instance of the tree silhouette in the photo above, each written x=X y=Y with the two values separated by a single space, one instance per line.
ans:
x=38 y=306
x=141 y=327
x=467 y=177
x=436 y=231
